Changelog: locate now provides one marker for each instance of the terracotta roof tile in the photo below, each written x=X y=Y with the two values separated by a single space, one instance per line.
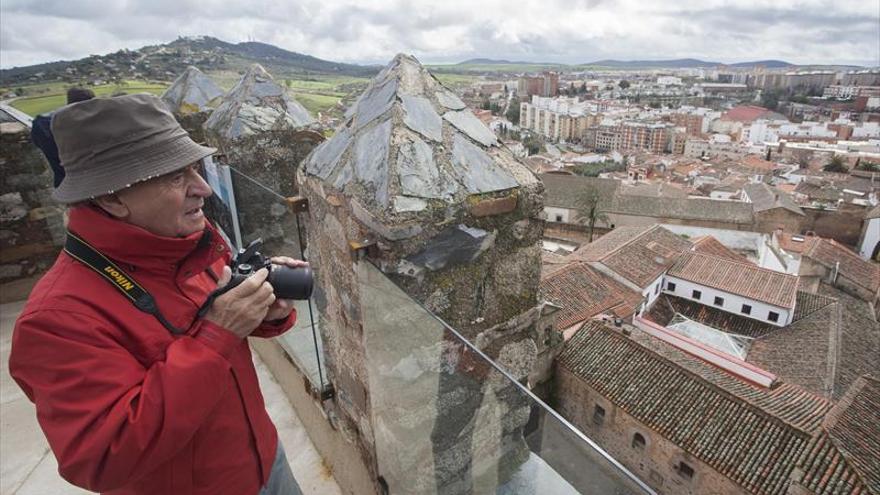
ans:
x=638 y=254
x=829 y=253
x=750 y=434
x=584 y=293
x=737 y=278
x=853 y=426
x=710 y=245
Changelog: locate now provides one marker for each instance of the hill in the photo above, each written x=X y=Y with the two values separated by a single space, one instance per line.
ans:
x=686 y=63
x=166 y=61
x=490 y=61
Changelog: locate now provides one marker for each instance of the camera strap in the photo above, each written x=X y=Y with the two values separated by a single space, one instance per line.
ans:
x=142 y=300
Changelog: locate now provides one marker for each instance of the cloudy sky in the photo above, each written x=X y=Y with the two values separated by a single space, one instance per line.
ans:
x=372 y=31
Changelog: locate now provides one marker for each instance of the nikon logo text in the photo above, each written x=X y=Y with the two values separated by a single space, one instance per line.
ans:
x=120 y=279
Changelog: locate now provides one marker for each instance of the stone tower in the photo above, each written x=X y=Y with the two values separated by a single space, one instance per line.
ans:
x=191 y=98
x=263 y=133
x=452 y=219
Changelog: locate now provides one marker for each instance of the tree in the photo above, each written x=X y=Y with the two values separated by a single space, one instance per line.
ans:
x=513 y=111
x=836 y=165
x=803 y=161
x=769 y=99
x=587 y=211
x=868 y=166
x=485 y=104
x=533 y=144
x=623 y=84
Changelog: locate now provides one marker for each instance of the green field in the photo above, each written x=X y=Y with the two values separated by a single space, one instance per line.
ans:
x=315 y=103
x=48 y=97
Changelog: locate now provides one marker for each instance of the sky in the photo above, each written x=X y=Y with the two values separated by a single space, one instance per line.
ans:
x=449 y=31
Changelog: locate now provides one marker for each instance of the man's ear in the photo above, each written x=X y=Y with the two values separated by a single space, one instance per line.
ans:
x=112 y=205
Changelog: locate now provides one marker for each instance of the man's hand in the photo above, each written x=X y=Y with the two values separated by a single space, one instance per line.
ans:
x=242 y=309
x=281 y=308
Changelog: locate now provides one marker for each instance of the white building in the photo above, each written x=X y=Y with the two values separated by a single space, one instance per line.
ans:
x=738 y=288
x=870 y=239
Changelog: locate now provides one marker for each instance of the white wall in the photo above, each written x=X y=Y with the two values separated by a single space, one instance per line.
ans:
x=777 y=261
x=552 y=212
x=651 y=293
x=732 y=302
x=872 y=237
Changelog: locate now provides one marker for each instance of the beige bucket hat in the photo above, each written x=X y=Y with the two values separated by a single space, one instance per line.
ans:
x=108 y=144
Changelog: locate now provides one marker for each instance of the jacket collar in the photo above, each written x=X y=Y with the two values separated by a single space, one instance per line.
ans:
x=136 y=247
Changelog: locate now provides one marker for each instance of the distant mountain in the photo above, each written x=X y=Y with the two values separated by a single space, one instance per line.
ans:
x=686 y=63
x=683 y=63
x=165 y=62
x=767 y=64
x=489 y=61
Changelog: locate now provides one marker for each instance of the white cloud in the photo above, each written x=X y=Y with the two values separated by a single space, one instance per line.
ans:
x=811 y=31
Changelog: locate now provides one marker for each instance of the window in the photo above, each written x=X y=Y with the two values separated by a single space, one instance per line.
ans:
x=638 y=442
x=657 y=289
x=598 y=415
x=773 y=316
x=670 y=286
x=696 y=294
x=684 y=470
x=558 y=218
x=747 y=310
x=719 y=301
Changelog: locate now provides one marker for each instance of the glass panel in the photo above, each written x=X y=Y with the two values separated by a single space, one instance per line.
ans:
x=258 y=211
x=734 y=345
x=447 y=420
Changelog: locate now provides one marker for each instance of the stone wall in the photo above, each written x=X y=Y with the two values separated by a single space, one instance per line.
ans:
x=655 y=463
x=768 y=221
x=31 y=224
x=844 y=225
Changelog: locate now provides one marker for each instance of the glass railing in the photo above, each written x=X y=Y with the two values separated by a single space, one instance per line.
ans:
x=247 y=209
x=448 y=420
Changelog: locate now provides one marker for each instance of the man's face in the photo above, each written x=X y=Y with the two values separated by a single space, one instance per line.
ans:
x=170 y=205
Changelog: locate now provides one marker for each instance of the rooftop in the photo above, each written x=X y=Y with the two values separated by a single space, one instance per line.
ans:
x=738 y=278
x=764 y=197
x=709 y=245
x=584 y=293
x=638 y=254
x=699 y=407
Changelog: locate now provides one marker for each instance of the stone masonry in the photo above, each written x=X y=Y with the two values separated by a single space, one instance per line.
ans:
x=191 y=98
x=451 y=218
x=264 y=134
x=31 y=224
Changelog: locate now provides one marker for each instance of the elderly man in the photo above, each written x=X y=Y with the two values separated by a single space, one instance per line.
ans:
x=136 y=389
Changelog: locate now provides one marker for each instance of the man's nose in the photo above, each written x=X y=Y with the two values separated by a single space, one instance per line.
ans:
x=198 y=186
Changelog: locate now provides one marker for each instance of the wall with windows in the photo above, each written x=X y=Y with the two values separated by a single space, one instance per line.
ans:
x=731 y=303
x=658 y=462
x=555 y=214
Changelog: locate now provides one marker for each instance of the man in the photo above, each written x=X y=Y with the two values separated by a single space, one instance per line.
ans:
x=41 y=133
x=134 y=402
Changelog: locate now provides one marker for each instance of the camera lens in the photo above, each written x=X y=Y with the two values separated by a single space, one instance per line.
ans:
x=291 y=283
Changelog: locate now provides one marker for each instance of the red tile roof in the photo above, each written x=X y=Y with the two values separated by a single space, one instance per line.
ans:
x=738 y=278
x=752 y=435
x=638 y=254
x=709 y=245
x=584 y=293
x=829 y=253
x=745 y=113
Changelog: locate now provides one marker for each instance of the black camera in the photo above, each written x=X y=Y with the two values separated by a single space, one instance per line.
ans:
x=289 y=283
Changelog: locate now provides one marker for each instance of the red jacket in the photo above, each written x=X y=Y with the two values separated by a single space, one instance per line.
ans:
x=127 y=407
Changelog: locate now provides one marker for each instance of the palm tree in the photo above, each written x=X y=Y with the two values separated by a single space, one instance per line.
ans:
x=588 y=209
